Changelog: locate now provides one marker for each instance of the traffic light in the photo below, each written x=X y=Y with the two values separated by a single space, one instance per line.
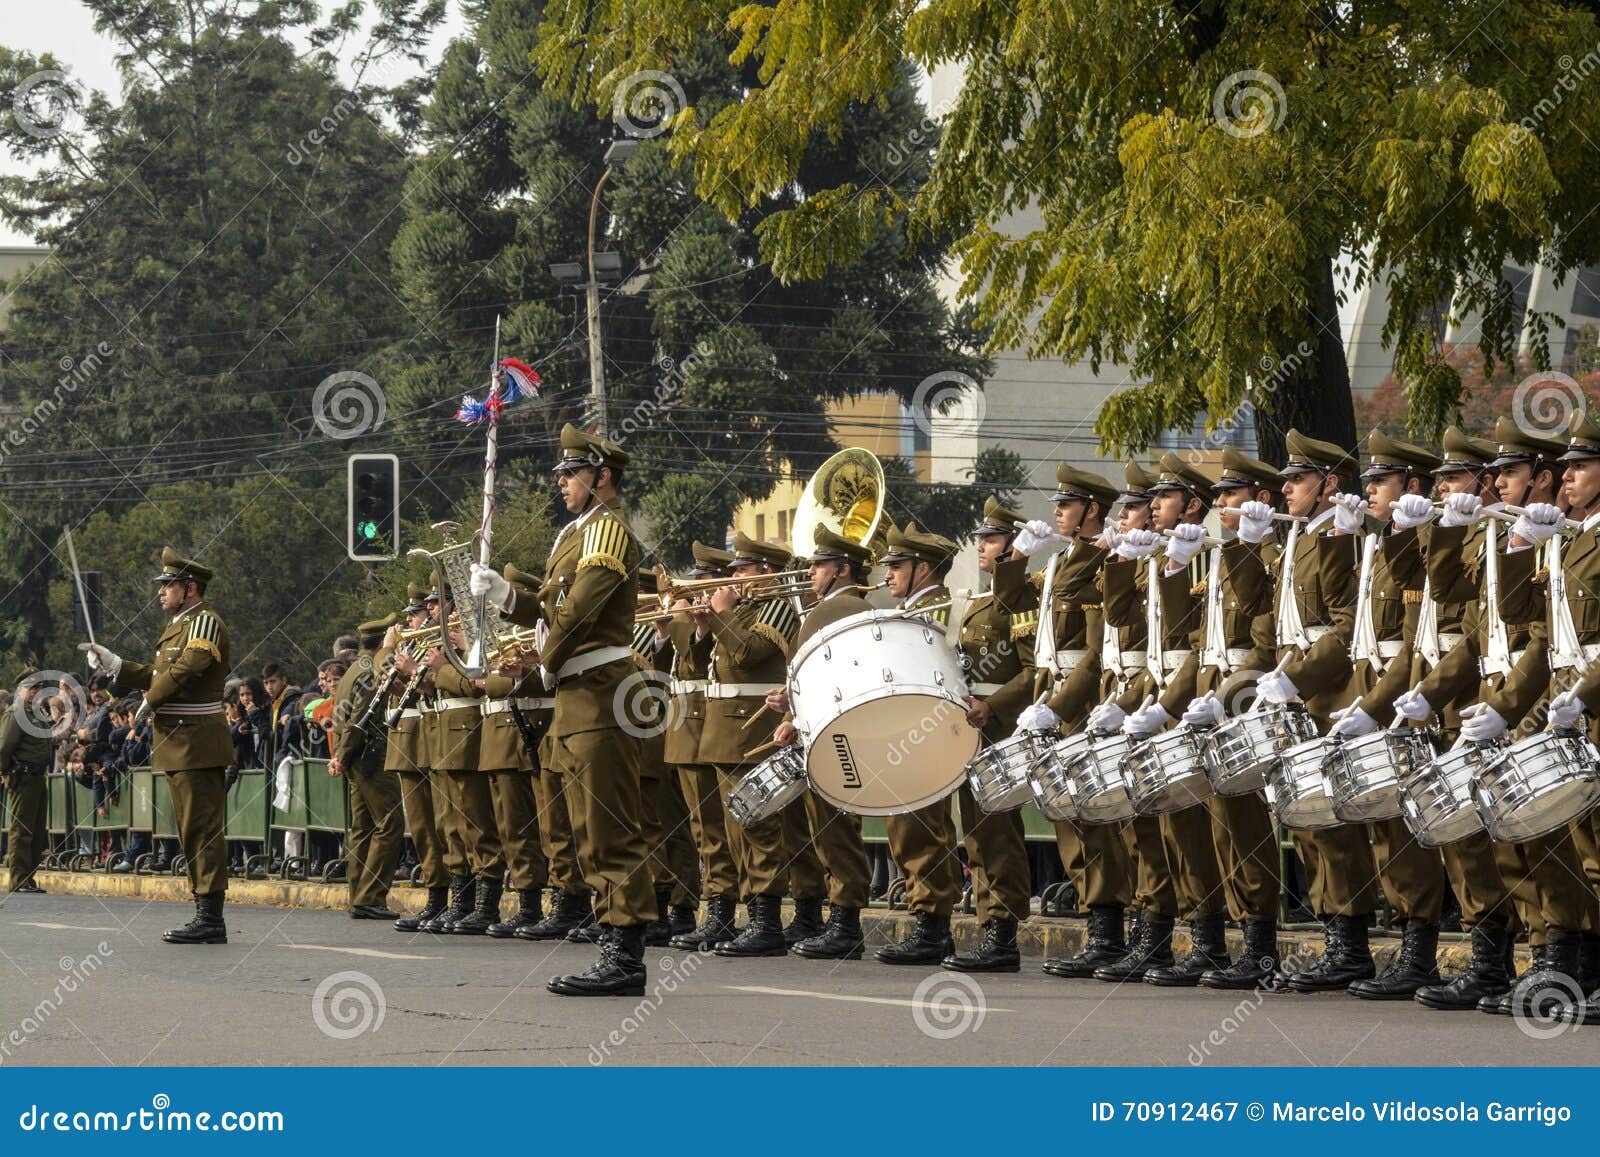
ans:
x=372 y=528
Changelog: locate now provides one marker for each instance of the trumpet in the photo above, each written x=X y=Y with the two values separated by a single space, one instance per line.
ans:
x=777 y=585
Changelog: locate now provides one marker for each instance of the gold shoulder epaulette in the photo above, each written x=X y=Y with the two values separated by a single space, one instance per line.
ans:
x=605 y=543
x=1036 y=580
x=1199 y=588
x=205 y=634
x=1024 y=625
x=1542 y=575
x=1411 y=595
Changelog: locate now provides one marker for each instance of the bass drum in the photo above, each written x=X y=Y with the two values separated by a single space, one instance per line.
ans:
x=879 y=699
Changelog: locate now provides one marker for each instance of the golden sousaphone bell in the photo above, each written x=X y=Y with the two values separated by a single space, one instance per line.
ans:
x=847 y=496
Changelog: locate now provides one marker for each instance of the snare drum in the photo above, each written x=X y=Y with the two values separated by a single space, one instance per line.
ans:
x=768 y=787
x=1366 y=772
x=1239 y=750
x=1166 y=773
x=1297 y=785
x=1544 y=782
x=1101 y=782
x=998 y=775
x=1051 y=781
x=1437 y=802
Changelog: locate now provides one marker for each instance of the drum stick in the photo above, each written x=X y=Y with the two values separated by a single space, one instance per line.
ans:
x=762 y=710
x=1208 y=541
x=770 y=745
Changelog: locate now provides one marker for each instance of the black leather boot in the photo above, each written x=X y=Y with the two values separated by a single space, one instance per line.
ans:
x=1547 y=992
x=656 y=933
x=717 y=927
x=1415 y=965
x=807 y=923
x=1209 y=935
x=1485 y=978
x=206 y=927
x=1151 y=948
x=929 y=942
x=680 y=920
x=763 y=936
x=1257 y=964
x=1589 y=961
x=1345 y=958
x=619 y=971
x=463 y=898
x=1105 y=944
x=996 y=951
x=1500 y=1003
x=840 y=940
x=485 y=911
x=530 y=910
x=438 y=901
x=569 y=911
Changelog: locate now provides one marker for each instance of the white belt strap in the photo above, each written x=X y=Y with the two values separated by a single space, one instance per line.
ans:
x=1237 y=657
x=1449 y=641
x=1172 y=660
x=1131 y=659
x=1487 y=668
x=410 y=713
x=1067 y=661
x=189 y=708
x=1390 y=650
x=738 y=690
x=589 y=660
x=455 y=704
x=497 y=706
x=686 y=686
x=1315 y=634
x=981 y=689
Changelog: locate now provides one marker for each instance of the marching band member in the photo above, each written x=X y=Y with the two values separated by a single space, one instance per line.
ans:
x=407 y=756
x=377 y=821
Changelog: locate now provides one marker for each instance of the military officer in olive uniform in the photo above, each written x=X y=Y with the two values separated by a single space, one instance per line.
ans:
x=408 y=757
x=25 y=751
x=190 y=743
x=588 y=602
x=377 y=816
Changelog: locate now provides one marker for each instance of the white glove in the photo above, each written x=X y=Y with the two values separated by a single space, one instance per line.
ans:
x=1186 y=541
x=1110 y=538
x=1565 y=710
x=1413 y=705
x=1540 y=522
x=1276 y=687
x=1255 y=521
x=1481 y=723
x=1461 y=510
x=1352 y=722
x=102 y=659
x=1139 y=544
x=1204 y=711
x=1037 y=717
x=1347 y=512
x=1146 y=721
x=1412 y=511
x=1107 y=717
x=143 y=712
x=487 y=582
x=1043 y=540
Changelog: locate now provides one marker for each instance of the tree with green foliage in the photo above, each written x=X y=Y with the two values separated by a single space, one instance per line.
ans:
x=1198 y=168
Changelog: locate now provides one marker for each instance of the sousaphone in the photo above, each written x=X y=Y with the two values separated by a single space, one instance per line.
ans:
x=847 y=496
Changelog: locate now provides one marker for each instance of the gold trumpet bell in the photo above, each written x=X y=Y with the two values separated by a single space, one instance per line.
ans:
x=847 y=496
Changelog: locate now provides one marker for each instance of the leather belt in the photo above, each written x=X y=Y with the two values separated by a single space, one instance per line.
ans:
x=1132 y=659
x=410 y=713
x=589 y=660
x=738 y=690
x=1449 y=641
x=1391 y=649
x=1065 y=660
x=1172 y=660
x=1516 y=657
x=1238 y=656
x=499 y=706
x=444 y=705
x=686 y=686
x=1316 y=633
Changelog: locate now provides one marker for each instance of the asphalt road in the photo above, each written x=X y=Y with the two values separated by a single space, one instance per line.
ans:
x=88 y=981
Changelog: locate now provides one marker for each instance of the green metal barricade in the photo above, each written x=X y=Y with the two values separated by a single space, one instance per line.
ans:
x=318 y=802
x=119 y=816
x=249 y=818
x=82 y=834
x=59 y=824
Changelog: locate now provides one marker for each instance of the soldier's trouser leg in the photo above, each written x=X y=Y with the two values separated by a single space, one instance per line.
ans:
x=1546 y=877
x=602 y=789
x=997 y=854
x=416 y=793
x=516 y=817
x=1247 y=854
x=720 y=875
x=923 y=843
x=806 y=881
x=1154 y=890
x=555 y=824
x=482 y=834
x=1586 y=838
x=1475 y=879
x=683 y=863
x=1412 y=876
x=447 y=813
x=1340 y=874
x=655 y=843
x=764 y=868
x=1096 y=860
x=200 y=807
x=30 y=819
x=837 y=837
x=1192 y=861
x=377 y=836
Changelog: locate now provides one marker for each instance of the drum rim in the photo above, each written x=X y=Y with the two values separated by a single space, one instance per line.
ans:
x=861 y=619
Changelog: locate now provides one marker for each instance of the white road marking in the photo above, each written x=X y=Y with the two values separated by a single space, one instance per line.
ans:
x=360 y=952
x=67 y=927
x=763 y=990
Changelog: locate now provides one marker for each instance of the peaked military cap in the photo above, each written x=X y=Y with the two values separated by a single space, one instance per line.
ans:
x=1073 y=484
x=1583 y=438
x=1239 y=469
x=416 y=597
x=1514 y=444
x=1176 y=474
x=831 y=546
x=1139 y=484
x=749 y=551
x=916 y=545
x=26 y=677
x=1388 y=455
x=1312 y=454
x=1462 y=452
x=579 y=449
x=998 y=519
x=176 y=568
x=371 y=633
x=709 y=560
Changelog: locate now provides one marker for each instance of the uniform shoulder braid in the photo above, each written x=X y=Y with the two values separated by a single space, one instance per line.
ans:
x=605 y=543
x=776 y=621
x=205 y=632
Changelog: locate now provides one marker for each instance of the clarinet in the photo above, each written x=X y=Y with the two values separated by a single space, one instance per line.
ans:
x=378 y=695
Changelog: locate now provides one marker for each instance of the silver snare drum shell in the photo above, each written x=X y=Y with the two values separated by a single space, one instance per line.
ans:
x=1166 y=773
x=1366 y=772
x=998 y=775
x=1437 y=802
x=1101 y=781
x=1543 y=783
x=1239 y=751
x=1299 y=786
x=1051 y=777
x=768 y=787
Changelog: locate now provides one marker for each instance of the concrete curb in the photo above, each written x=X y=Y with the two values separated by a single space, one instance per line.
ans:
x=1039 y=937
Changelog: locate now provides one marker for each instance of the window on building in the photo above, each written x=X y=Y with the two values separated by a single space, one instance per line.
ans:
x=783 y=526
x=761 y=527
x=1586 y=293
x=1518 y=283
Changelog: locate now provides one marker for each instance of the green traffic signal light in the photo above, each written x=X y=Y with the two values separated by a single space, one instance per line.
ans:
x=369 y=530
